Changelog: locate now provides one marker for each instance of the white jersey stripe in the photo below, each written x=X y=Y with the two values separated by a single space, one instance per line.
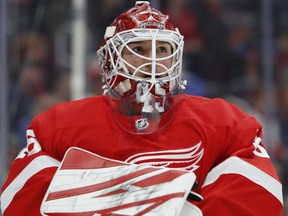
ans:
x=235 y=165
x=33 y=167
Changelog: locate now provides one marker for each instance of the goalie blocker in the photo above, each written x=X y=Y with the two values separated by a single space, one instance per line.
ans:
x=88 y=184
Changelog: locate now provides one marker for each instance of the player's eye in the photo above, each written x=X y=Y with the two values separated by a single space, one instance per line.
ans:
x=162 y=49
x=138 y=49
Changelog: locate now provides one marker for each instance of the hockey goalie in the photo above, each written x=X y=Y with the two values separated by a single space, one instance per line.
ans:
x=144 y=147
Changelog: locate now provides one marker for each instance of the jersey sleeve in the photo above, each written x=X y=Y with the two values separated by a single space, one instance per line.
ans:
x=244 y=182
x=29 y=177
x=32 y=171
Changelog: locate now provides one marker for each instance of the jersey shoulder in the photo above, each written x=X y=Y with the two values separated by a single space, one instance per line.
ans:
x=212 y=111
x=75 y=111
x=78 y=113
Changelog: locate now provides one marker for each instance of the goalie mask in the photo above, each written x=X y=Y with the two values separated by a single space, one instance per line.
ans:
x=141 y=63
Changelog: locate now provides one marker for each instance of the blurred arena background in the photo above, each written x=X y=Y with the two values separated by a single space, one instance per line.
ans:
x=234 y=49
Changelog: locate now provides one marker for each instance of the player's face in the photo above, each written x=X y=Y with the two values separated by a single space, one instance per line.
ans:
x=144 y=48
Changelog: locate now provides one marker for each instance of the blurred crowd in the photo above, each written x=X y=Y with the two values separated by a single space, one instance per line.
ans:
x=222 y=58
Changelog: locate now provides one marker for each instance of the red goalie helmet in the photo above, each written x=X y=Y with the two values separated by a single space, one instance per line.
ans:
x=141 y=62
x=142 y=16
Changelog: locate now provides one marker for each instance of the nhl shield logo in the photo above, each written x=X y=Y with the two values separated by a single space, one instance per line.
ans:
x=141 y=124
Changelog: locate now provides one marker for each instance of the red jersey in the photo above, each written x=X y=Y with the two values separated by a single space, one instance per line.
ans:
x=216 y=140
